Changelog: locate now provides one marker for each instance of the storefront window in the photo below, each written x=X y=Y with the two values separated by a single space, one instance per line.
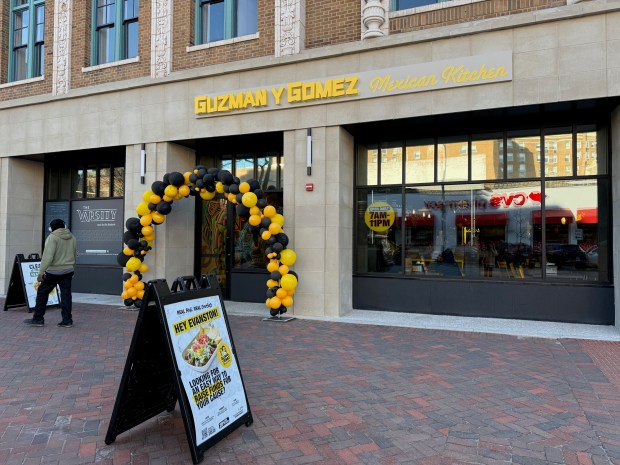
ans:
x=91 y=183
x=487 y=160
x=391 y=167
x=119 y=181
x=244 y=168
x=521 y=154
x=368 y=165
x=77 y=191
x=104 y=182
x=591 y=151
x=452 y=159
x=379 y=226
x=419 y=161
x=556 y=141
x=267 y=169
x=575 y=233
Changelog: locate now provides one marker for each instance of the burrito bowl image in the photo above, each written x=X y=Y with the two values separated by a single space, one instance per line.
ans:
x=201 y=351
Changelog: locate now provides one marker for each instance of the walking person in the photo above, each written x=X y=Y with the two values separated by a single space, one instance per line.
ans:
x=57 y=267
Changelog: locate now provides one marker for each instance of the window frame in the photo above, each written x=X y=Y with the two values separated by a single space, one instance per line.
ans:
x=31 y=7
x=120 y=25
x=230 y=20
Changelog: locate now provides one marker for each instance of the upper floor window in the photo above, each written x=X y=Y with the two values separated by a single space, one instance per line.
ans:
x=115 y=30
x=406 y=4
x=27 y=26
x=225 y=19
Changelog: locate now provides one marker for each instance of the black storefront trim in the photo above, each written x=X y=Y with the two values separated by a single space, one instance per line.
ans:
x=562 y=302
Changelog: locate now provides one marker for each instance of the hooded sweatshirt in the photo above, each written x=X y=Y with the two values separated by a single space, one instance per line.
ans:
x=59 y=253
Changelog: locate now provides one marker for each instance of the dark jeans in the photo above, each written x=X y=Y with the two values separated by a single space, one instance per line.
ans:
x=47 y=285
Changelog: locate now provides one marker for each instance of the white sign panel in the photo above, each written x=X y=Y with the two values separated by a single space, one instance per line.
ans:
x=30 y=271
x=209 y=371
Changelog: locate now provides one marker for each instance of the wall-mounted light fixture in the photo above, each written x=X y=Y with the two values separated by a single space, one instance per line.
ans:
x=309 y=152
x=142 y=163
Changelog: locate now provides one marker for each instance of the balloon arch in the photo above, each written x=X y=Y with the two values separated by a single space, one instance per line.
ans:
x=208 y=183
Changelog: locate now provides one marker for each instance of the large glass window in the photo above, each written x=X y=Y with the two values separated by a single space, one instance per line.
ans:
x=225 y=19
x=26 y=39
x=115 y=30
x=405 y=4
x=482 y=208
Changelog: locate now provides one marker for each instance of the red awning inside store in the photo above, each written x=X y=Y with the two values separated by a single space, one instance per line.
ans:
x=482 y=219
x=587 y=215
x=553 y=216
x=419 y=220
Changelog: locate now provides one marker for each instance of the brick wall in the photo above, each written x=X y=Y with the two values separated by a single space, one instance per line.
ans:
x=33 y=88
x=469 y=12
x=183 y=36
x=329 y=22
x=81 y=47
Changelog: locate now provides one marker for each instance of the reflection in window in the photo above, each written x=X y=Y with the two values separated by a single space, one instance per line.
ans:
x=244 y=168
x=379 y=219
x=392 y=163
x=591 y=152
x=557 y=139
x=368 y=164
x=77 y=191
x=527 y=143
x=115 y=30
x=26 y=39
x=487 y=161
x=419 y=161
x=91 y=183
x=267 y=169
x=225 y=19
x=405 y=4
x=104 y=182
x=452 y=164
x=119 y=182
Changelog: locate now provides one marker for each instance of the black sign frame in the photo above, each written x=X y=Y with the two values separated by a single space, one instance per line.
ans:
x=151 y=381
x=16 y=294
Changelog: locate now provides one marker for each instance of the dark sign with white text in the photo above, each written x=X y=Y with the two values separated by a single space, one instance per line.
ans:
x=98 y=228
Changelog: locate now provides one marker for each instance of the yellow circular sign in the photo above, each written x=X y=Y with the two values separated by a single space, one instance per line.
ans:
x=224 y=355
x=379 y=216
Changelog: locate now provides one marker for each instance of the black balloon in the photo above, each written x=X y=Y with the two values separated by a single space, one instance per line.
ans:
x=129 y=235
x=192 y=178
x=265 y=222
x=138 y=303
x=282 y=309
x=133 y=224
x=276 y=275
x=210 y=187
x=262 y=203
x=272 y=240
x=208 y=178
x=213 y=171
x=254 y=184
x=234 y=188
x=271 y=292
x=176 y=179
x=282 y=239
x=272 y=312
x=128 y=302
x=158 y=188
x=166 y=178
x=259 y=193
x=122 y=259
x=126 y=276
x=225 y=176
x=200 y=183
x=133 y=244
x=201 y=173
x=138 y=274
x=164 y=207
x=239 y=197
x=243 y=211
x=277 y=247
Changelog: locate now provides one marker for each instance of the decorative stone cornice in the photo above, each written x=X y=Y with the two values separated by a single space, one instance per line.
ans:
x=161 y=38
x=61 y=60
x=375 y=22
x=290 y=26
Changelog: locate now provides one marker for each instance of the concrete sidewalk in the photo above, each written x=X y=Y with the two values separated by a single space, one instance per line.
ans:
x=321 y=392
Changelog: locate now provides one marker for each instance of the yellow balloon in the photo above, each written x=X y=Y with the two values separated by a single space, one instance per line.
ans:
x=127 y=251
x=155 y=199
x=277 y=218
x=274 y=302
x=244 y=187
x=134 y=278
x=139 y=285
x=144 y=268
x=184 y=191
x=272 y=266
x=270 y=283
x=283 y=269
x=124 y=295
x=232 y=198
x=147 y=230
x=146 y=220
x=288 y=281
x=266 y=235
x=287 y=301
x=143 y=209
x=170 y=190
x=140 y=294
x=149 y=238
x=255 y=211
x=207 y=195
x=127 y=284
x=254 y=220
x=275 y=228
x=158 y=218
x=167 y=198
x=281 y=293
x=219 y=188
x=132 y=291
x=147 y=196
x=249 y=199
x=186 y=175
x=267 y=303
x=269 y=211
x=288 y=257
x=133 y=264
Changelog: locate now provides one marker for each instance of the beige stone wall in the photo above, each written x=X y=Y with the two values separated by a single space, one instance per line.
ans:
x=173 y=251
x=21 y=211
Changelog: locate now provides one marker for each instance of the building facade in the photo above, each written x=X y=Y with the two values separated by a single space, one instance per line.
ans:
x=453 y=158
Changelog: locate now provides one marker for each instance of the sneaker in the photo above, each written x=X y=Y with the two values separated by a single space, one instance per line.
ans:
x=33 y=322
x=66 y=324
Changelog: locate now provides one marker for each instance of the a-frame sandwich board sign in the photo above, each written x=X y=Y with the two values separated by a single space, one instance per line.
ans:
x=23 y=284
x=182 y=349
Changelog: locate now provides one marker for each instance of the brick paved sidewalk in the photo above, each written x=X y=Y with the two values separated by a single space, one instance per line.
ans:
x=320 y=393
